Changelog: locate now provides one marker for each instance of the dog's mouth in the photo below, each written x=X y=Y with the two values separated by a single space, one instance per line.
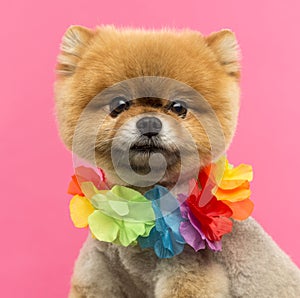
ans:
x=140 y=153
x=147 y=148
x=149 y=145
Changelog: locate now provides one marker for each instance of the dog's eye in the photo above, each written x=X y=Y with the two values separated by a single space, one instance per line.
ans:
x=178 y=107
x=118 y=105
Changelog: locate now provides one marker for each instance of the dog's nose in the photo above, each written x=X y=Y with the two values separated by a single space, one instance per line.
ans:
x=149 y=126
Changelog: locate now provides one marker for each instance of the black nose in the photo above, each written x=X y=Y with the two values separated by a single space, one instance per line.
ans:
x=149 y=126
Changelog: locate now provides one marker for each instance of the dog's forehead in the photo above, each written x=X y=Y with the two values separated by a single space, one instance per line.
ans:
x=150 y=87
x=127 y=54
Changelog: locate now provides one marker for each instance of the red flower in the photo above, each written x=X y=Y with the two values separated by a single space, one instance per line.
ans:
x=213 y=215
x=83 y=174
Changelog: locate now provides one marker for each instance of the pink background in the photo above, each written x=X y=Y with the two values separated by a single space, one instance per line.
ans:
x=39 y=243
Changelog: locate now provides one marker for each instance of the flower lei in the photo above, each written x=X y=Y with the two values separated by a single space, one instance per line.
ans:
x=159 y=220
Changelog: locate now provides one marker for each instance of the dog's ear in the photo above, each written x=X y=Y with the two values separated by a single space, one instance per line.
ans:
x=225 y=47
x=74 y=43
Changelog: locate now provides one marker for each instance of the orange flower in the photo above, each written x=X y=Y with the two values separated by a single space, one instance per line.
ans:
x=233 y=187
x=74 y=187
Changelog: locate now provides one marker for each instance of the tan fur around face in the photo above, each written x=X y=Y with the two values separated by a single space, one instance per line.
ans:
x=92 y=60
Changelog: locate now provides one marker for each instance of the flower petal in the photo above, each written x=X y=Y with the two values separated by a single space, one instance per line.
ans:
x=85 y=174
x=119 y=207
x=148 y=227
x=80 y=210
x=161 y=251
x=191 y=236
x=126 y=193
x=217 y=228
x=216 y=208
x=241 y=172
x=184 y=210
x=240 y=210
x=103 y=227
x=167 y=247
x=165 y=237
x=213 y=245
x=148 y=242
x=140 y=211
x=74 y=187
x=238 y=194
x=230 y=184
x=89 y=189
x=135 y=208
x=100 y=202
x=130 y=231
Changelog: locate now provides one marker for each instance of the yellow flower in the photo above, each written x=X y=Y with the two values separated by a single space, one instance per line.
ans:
x=80 y=210
x=232 y=183
x=233 y=187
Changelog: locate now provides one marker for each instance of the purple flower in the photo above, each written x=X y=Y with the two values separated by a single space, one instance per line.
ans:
x=191 y=230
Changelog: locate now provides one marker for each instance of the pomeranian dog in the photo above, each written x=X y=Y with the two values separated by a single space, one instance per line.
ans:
x=142 y=88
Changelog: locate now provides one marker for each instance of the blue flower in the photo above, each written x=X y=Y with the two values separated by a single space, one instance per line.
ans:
x=165 y=237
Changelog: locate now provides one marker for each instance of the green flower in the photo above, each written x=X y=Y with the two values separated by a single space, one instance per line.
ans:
x=121 y=216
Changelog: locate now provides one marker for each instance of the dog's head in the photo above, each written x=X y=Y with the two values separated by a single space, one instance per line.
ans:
x=124 y=96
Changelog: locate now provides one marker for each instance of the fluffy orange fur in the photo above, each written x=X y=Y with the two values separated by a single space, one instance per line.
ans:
x=92 y=60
